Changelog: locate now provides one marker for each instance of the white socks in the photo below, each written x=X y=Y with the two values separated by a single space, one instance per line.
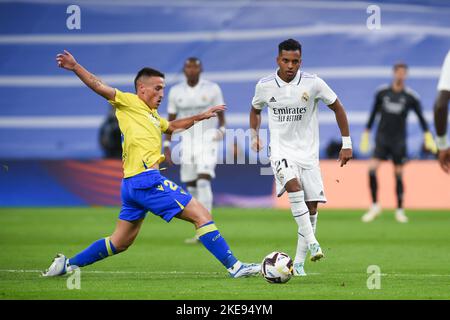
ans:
x=302 y=246
x=204 y=193
x=301 y=215
x=306 y=224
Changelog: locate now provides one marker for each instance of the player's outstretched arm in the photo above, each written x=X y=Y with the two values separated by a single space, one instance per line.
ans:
x=221 y=131
x=167 y=153
x=364 y=145
x=186 y=123
x=346 y=152
x=429 y=143
x=67 y=61
x=255 y=124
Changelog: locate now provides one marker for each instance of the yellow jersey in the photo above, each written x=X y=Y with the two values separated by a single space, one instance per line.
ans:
x=141 y=129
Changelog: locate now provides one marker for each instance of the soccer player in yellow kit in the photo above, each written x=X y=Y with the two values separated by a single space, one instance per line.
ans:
x=143 y=187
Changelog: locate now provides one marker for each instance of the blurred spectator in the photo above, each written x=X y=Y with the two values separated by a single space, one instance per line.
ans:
x=110 y=137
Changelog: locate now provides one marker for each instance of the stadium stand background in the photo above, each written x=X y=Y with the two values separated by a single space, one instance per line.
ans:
x=47 y=113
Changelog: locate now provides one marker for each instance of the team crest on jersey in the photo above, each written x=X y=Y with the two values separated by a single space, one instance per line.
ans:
x=305 y=96
x=154 y=120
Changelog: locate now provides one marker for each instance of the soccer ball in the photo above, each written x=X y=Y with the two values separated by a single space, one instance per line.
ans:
x=277 y=267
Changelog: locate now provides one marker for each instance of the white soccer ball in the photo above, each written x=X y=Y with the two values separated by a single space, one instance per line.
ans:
x=277 y=267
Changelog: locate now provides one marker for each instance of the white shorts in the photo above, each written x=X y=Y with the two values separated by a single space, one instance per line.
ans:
x=310 y=179
x=199 y=160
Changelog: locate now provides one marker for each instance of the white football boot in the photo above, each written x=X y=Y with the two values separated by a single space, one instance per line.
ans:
x=373 y=212
x=315 y=252
x=60 y=266
x=240 y=270
x=299 y=270
x=400 y=216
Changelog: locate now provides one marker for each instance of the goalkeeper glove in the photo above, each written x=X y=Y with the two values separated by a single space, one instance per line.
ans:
x=365 y=144
x=430 y=145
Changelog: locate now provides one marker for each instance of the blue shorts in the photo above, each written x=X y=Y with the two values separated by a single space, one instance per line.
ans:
x=150 y=191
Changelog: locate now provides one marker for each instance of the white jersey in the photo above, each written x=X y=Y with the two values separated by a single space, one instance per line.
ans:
x=186 y=101
x=292 y=111
x=444 y=80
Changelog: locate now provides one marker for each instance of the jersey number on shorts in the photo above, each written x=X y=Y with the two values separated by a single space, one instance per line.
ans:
x=278 y=164
x=171 y=185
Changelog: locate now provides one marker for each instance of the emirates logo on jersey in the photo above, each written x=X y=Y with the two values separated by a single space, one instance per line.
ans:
x=288 y=114
x=305 y=96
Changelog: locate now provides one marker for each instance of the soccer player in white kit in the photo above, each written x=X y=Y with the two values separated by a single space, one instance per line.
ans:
x=441 y=115
x=292 y=98
x=199 y=143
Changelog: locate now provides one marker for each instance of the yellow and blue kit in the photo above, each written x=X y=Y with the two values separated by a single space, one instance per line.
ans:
x=144 y=189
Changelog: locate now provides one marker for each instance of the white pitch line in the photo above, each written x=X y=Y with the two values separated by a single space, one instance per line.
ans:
x=420 y=275
x=120 y=272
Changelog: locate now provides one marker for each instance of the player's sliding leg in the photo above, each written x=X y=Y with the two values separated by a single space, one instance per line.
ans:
x=375 y=209
x=301 y=215
x=204 y=195
x=191 y=187
x=400 y=215
x=211 y=238
x=302 y=246
x=124 y=235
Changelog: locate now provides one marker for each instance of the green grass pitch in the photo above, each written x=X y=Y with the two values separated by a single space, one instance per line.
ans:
x=414 y=258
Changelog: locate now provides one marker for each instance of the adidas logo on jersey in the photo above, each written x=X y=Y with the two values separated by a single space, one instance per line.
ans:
x=272 y=100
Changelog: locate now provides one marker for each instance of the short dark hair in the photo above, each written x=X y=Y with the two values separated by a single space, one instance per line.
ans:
x=289 y=45
x=400 y=65
x=147 y=72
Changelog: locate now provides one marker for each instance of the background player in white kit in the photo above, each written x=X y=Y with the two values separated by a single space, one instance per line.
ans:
x=441 y=115
x=292 y=98
x=199 y=143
